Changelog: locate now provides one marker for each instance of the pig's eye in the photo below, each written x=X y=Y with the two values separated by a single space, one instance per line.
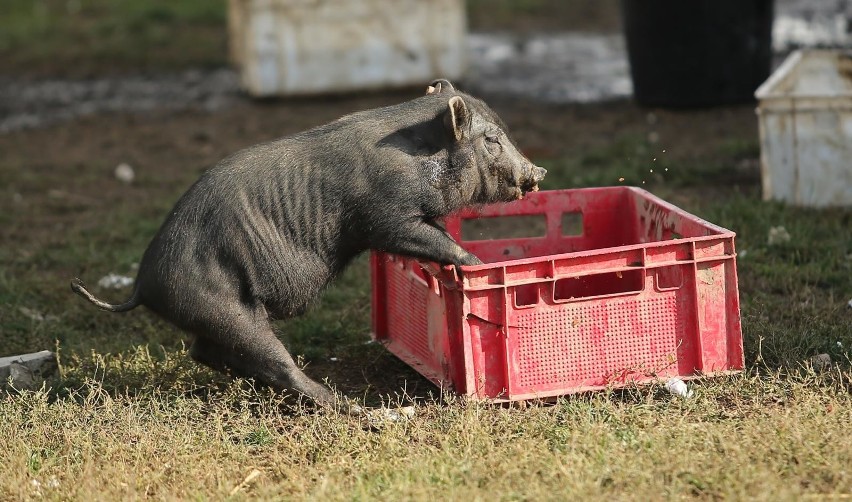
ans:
x=492 y=139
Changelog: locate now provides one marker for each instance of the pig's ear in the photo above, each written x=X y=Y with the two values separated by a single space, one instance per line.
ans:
x=457 y=118
x=439 y=86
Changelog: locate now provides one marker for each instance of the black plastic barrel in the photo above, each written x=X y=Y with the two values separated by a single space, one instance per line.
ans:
x=695 y=53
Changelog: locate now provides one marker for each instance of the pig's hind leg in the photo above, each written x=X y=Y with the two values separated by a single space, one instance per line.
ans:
x=245 y=344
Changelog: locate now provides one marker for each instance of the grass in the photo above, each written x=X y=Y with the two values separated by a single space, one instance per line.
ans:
x=759 y=435
x=84 y=37
x=537 y=16
x=131 y=416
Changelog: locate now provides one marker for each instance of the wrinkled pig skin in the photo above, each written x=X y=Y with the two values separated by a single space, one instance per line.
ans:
x=260 y=234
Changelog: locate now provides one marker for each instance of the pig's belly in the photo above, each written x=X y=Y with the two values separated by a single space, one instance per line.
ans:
x=291 y=284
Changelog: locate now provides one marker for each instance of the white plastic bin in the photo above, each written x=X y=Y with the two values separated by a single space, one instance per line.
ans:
x=805 y=121
x=290 y=47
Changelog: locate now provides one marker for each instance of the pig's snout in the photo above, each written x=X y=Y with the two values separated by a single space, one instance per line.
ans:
x=535 y=174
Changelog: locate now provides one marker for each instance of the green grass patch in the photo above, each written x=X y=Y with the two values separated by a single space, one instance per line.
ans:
x=632 y=160
x=79 y=37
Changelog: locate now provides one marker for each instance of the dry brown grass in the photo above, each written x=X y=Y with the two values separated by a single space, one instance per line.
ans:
x=761 y=435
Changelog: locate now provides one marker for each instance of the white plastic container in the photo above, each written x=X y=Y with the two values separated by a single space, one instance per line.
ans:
x=290 y=47
x=805 y=120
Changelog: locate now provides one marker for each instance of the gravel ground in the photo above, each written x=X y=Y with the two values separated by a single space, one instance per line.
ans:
x=27 y=103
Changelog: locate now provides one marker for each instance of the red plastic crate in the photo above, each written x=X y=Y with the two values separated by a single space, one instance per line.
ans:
x=620 y=287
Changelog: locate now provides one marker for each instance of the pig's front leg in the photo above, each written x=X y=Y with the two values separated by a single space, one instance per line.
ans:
x=426 y=241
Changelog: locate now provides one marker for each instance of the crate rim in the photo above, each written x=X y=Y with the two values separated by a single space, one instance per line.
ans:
x=472 y=213
x=722 y=233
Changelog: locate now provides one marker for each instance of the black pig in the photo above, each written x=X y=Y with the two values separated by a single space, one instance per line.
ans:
x=260 y=235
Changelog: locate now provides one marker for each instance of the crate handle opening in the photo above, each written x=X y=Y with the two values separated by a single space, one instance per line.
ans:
x=572 y=224
x=605 y=284
x=489 y=228
x=419 y=273
x=669 y=278
x=526 y=295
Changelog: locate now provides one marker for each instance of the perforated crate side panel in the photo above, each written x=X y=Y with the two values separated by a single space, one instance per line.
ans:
x=595 y=344
x=407 y=315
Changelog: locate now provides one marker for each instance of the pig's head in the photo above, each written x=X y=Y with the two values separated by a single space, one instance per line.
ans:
x=489 y=165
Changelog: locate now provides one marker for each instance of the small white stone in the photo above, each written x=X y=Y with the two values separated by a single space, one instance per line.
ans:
x=382 y=415
x=124 y=173
x=778 y=235
x=678 y=387
x=32 y=314
x=115 y=281
x=27 y=371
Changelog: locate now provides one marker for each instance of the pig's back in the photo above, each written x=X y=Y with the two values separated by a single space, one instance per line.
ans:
x=267 y=222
